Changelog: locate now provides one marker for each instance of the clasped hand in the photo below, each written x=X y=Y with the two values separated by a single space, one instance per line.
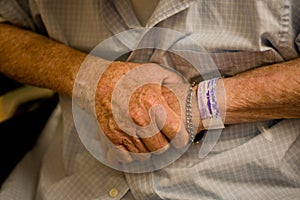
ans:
x=141 y=110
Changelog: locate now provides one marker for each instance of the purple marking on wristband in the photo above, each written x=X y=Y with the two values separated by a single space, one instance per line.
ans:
x=207 y=100
x=214 y=101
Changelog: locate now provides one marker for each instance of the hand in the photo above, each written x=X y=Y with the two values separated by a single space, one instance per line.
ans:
x=141 y=109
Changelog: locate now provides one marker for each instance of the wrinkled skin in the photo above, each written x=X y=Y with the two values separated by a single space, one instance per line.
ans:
x=152 y=92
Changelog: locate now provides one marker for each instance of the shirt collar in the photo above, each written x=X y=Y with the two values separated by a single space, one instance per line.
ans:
x=166 y=9
x=163 y=10
x=125 y=10
x=119 y=16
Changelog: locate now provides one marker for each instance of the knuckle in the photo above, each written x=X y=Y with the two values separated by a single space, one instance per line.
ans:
x=139 y=116
x=156 y=142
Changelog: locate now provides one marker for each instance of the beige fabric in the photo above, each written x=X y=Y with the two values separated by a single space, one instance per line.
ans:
x=243 y=164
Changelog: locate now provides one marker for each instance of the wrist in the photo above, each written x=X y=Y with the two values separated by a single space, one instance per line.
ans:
x=87 y=82
x=209 y=93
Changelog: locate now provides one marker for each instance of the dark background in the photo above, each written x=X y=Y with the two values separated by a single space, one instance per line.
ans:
x=19 y=133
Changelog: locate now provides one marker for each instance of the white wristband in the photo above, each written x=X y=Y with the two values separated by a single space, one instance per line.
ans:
x=208 y=105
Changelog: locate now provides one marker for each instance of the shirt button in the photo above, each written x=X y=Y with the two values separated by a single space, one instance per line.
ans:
x=113 y=193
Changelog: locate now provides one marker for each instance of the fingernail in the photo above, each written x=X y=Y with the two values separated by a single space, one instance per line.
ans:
x=162 y=150
x=141 y=156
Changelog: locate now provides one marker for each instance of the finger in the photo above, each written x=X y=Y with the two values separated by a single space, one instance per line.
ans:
x=137 y=148
x=151 y=137
x=171 y=99
x=132 y=143
x=141 y=147
x=118 y=154
x=165 y=119
x=160 y=112
x=156 y=143
x=173 y=128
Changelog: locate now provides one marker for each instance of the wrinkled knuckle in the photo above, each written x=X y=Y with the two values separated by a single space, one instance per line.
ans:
x=156 y=142
x=139 y=117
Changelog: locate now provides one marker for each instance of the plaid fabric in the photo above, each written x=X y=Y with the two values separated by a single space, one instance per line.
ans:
x=238 y=36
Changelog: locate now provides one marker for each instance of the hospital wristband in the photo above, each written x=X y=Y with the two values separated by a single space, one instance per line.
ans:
x=208 y=105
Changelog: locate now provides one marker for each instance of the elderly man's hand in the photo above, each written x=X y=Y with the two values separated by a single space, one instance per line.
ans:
x=141 y=110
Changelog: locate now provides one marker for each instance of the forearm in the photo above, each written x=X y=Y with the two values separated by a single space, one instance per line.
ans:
x=264 y=93
x=37 y=60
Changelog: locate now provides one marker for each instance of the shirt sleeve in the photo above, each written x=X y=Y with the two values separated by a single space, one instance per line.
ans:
x=22 y=13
